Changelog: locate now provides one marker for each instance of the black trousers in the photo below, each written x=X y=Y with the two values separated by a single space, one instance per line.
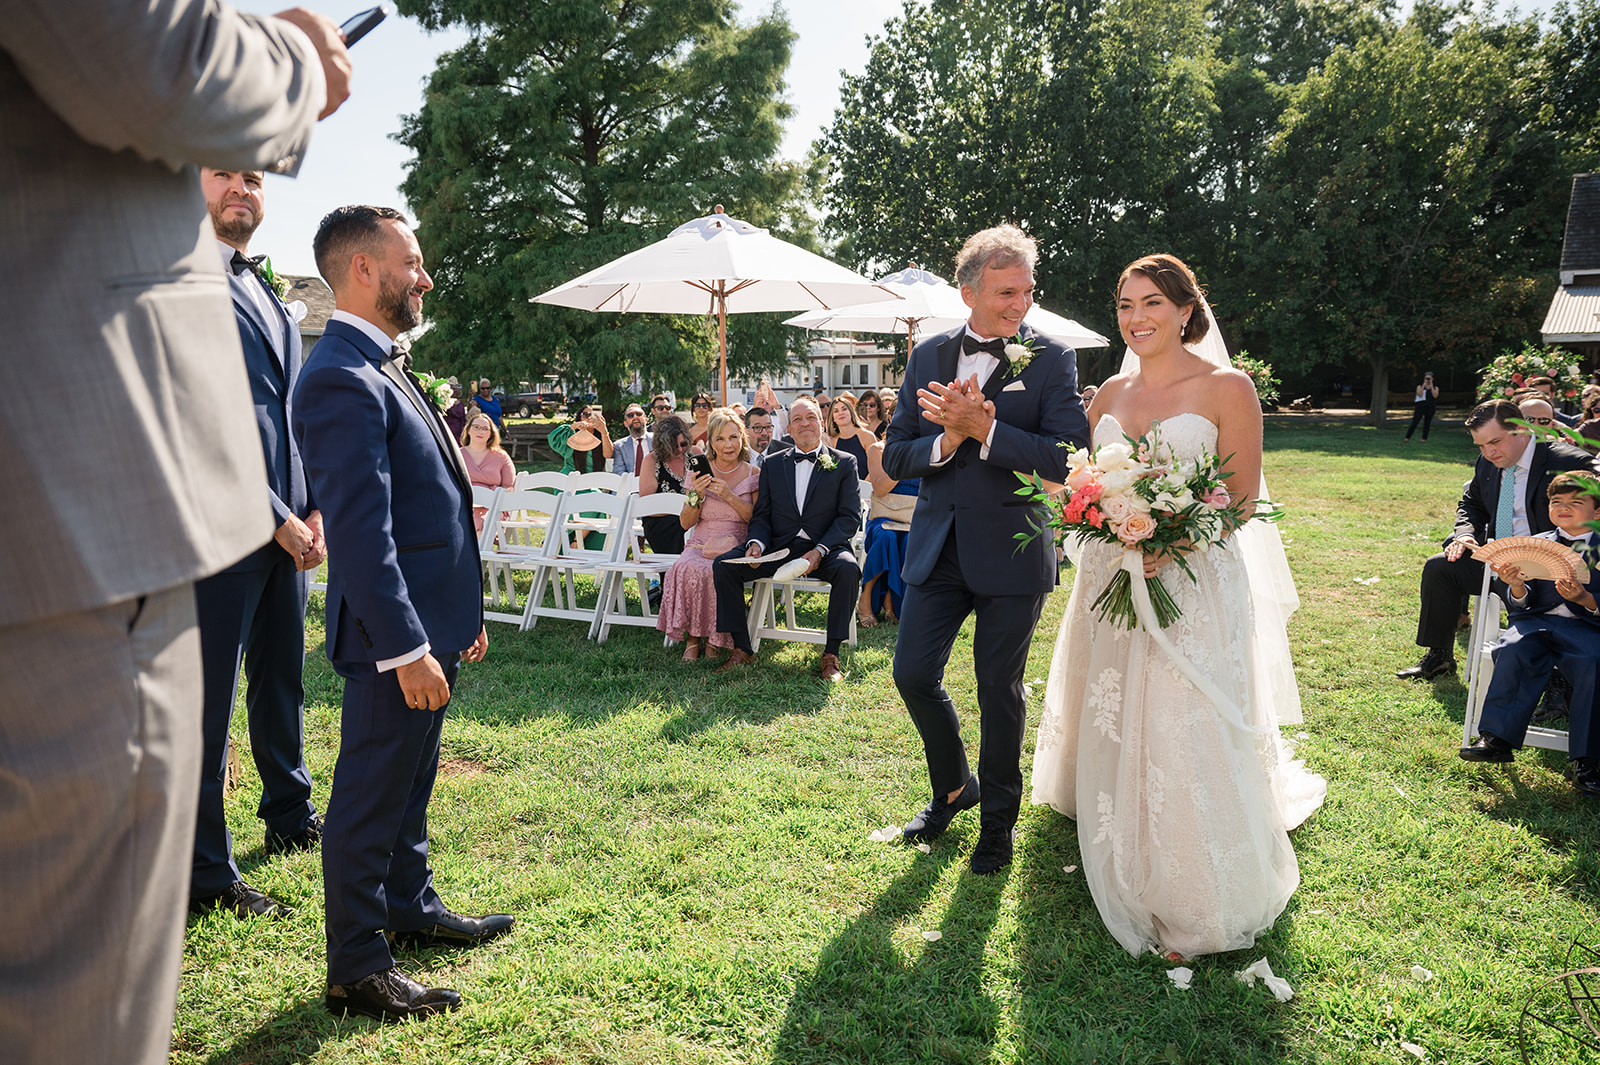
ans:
x=1443 y=585
x=930 y=618
x=838 y=568
x=1421 y=412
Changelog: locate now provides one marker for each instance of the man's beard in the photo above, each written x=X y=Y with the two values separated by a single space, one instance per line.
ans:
x=238 y=230
x=394 y=303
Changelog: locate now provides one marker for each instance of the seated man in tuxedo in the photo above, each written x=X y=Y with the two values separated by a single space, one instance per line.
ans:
x=1504 y=498
x=809 y=503
x=404 y=608
x=1552 y=622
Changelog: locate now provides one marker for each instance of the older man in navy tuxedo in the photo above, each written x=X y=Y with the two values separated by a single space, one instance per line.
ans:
x=809 y=504
x=980 y=404
x=256 y=608
x=404 y=607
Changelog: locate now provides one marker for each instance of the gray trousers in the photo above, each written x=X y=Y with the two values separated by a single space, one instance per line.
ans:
x=99 y=780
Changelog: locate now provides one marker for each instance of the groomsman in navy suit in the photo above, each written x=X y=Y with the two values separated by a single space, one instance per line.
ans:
x=809 y=504
x=980 y=404
x=404 y=607
x=256 y=608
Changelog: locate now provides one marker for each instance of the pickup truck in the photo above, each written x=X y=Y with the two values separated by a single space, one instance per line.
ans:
x=527 y=404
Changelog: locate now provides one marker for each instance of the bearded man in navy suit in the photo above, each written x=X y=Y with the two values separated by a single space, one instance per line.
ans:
x=808 y=503
x=979 y=405
x=405 y=605
x=256 y=608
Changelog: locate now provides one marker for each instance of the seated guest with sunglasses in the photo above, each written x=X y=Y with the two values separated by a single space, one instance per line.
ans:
x=1536 y=410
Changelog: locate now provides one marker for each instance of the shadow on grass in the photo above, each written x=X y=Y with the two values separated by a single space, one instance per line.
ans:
x=881 y=993
x=287 y=1038
x=1082 y=998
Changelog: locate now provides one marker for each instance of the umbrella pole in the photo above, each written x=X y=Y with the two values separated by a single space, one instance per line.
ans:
x=722 y=342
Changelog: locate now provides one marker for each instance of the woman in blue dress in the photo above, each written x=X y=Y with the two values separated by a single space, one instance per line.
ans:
x=888 y=521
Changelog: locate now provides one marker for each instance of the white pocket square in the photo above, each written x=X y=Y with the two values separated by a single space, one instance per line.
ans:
x=1015 y=386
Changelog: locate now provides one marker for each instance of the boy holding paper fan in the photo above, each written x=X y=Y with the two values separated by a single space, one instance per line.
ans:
x=1553 y=622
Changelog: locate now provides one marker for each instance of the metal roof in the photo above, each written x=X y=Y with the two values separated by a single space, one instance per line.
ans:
x=1574 y=316
x=1580 y=246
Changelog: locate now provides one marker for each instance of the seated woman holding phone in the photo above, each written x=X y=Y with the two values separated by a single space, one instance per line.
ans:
x=717 y=515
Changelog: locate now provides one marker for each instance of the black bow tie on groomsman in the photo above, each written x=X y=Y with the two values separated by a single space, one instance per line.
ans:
x=401 y=354
x=971 y=344
x=805 y=456
x=242 y=262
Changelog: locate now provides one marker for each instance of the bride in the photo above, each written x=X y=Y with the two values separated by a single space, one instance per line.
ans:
x=1186 y=798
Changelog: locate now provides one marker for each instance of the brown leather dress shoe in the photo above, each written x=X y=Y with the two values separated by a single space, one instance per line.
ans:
x=736 y=658
x=389 y=995
x=829 y=669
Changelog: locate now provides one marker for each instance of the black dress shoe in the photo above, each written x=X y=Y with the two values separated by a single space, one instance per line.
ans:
x=1435 y=663
x=309 y=838
x=994 y=849
x=456 y=930
x=1487 y=748
x=389 y=996
x=243 y=900
x=1586 y=776
x=930 y=824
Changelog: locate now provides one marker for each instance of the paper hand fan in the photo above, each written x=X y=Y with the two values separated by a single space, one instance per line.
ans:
x=1538 y=558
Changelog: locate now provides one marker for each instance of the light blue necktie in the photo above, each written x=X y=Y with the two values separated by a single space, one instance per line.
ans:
x=1504 y=522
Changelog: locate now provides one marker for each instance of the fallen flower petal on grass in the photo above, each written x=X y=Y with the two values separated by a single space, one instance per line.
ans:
x=1366 y=580
x=1419 y=973
x=887 y=834
x=1180 y=977
x=933 y=935
x=1276 y=984
x=925 y=848
x=1415 y=1051
x=1069 y=868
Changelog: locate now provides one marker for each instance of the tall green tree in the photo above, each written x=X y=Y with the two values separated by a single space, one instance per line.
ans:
x=568 y=132
x=1388 y=226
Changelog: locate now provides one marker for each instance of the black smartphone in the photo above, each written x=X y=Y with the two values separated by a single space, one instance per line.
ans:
x=358 y=26
x=700 y=465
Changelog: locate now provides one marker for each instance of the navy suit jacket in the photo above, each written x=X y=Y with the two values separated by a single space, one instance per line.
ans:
x=272 y=374
x=1475 y=513
x=397 y=507
x=832 y=511
x=977 y=496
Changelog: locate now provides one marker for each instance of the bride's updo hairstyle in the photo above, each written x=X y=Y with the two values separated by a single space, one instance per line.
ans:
x=999 y=247
x=1176 y=282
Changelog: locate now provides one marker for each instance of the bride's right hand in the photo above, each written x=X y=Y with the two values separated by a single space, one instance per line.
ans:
x=1153 y=563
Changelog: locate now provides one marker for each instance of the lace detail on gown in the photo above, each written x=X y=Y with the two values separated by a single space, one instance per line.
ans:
x=1189 y=850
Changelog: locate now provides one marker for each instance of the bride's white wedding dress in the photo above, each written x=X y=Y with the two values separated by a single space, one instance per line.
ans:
x=1186 y=806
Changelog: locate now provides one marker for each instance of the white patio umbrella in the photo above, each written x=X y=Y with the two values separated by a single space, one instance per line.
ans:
x=716 y=265
x=929 y=302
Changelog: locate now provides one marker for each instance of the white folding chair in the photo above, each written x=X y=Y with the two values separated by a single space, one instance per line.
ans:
x=638 y=563
x=1480 y=668
x=590 y=514
x=516 y=535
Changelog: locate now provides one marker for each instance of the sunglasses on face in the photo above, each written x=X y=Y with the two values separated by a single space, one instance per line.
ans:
x=1541 y=421
x=702 y=406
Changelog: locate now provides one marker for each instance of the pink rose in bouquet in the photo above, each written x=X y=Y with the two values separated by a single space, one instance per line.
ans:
x=1136 y=527
x=1217 y=498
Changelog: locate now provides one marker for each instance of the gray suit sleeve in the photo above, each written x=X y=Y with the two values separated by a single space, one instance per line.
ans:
x=176 y=81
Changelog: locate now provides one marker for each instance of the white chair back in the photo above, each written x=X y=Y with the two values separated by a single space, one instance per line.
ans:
x=547 y=480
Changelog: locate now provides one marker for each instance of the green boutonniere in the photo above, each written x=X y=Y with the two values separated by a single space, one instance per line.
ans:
x=274 y=282
x=437 y=389
x=1019 y=353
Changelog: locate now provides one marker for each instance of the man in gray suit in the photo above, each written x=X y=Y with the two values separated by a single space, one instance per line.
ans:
x=113 y=280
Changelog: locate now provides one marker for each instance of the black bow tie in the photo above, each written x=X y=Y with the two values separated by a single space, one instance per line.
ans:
x=805 y=456
x=242 y=262
x=401 y=357
x=971 y=344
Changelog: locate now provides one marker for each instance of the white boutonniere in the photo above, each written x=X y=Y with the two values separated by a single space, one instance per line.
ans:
x=827 y=461
x=437 y=389
x=1019 y=353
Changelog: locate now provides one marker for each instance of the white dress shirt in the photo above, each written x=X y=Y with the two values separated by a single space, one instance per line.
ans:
x=980 y=364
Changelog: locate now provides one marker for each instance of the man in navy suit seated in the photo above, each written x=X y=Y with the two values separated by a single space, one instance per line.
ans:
x=1552 y=623
x=808 y=503
x=256 y=608
x=405 y=606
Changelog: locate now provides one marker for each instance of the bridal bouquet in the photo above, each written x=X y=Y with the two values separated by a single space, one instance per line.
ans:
x=1136 y=494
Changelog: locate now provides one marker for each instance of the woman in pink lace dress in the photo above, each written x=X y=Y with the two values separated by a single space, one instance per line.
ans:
x=717 y=524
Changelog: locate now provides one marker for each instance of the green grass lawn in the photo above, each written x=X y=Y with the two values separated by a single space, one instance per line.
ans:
x=688 y=861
